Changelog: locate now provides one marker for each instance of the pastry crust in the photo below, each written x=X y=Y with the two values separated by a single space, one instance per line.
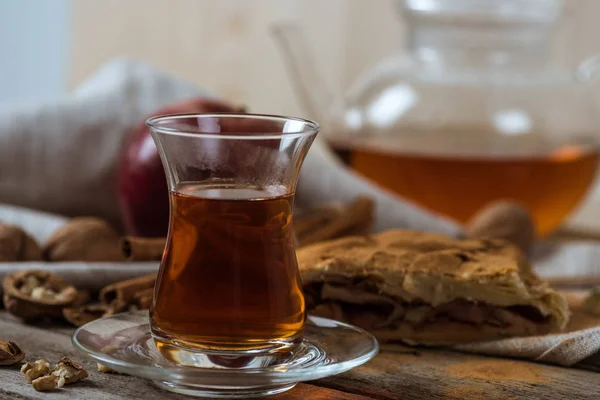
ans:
x=466 y=290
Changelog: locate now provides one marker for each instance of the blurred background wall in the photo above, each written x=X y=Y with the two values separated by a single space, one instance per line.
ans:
x=50 y=46
x=225 y=45
x=34 y=41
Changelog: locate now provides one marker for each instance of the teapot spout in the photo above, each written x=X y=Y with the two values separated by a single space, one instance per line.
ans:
x=308 y=84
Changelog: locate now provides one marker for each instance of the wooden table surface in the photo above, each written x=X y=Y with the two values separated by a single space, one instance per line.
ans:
x=396 y=373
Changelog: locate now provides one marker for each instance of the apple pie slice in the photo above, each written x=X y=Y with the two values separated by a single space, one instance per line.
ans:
x=424 y=288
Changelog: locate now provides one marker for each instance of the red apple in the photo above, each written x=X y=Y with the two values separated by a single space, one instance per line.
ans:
x=142 y=187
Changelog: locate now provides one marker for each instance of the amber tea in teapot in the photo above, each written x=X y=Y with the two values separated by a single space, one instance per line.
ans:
x=550 y=184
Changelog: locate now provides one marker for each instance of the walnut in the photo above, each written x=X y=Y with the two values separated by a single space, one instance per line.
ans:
x=17 y=245
x=68 y=372
x=46 y=383
x=503 y=220
x=35 y=294
x=84 y=239
x=35 y=370
x=10 y=353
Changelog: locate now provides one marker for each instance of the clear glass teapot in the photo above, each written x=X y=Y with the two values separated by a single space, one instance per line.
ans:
x=472 y=114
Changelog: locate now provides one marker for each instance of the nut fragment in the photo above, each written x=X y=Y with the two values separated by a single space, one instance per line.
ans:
x=34 y=294
x=504 y=220
x=17 y=245
x=68 y=372
x=46 y=383
x=35 y=370
x=104 y=369
x=84 y=239
x=10 y=353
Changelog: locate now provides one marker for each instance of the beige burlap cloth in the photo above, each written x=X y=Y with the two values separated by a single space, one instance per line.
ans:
x=579 y=344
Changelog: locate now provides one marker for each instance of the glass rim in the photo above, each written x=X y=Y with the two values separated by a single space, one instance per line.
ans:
x=310 y=127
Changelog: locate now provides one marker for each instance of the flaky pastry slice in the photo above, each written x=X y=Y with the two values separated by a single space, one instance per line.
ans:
x=424 y=288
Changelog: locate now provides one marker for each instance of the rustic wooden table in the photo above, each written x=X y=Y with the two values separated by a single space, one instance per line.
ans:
x=396 y=373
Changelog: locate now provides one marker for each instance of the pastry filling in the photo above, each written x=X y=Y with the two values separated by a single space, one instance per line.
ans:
x=361 y=305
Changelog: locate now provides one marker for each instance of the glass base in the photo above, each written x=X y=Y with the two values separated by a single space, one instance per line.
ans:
x=225 y=393
x=278 y=353
x=123 y=342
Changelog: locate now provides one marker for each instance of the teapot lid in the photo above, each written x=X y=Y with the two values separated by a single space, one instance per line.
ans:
x=523 y=10
x=489 y=29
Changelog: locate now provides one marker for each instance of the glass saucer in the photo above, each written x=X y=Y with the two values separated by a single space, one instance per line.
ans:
x=123 y=342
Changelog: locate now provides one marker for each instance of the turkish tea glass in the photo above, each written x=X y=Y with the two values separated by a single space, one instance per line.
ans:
x=228 y=292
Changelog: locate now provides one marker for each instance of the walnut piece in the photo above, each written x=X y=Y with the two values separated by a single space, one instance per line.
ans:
x=68 y=372
x=84 y=239
x=10 y=353
x=34 y=294
x=46 y=383
x=35 y=370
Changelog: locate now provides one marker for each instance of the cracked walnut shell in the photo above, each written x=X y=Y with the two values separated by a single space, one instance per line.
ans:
x=81 y=315
x=503 y=220
x=36 y=294
x=17 y=245
x=84 y=239
x=10 y=353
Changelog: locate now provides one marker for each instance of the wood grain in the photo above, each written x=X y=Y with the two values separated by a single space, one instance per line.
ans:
x=408 y=374
x=398 y=372
x=311 y=392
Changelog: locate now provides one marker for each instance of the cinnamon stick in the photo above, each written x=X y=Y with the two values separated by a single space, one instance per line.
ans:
x=143 y=298
x=574 y=282
x=308 y=222
x=142 y=249
x=569 y=234
x=355 y=218
x=121 y=294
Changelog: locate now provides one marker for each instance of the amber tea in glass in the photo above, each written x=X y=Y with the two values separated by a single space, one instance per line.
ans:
x=232 y=280
x=229 y=282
